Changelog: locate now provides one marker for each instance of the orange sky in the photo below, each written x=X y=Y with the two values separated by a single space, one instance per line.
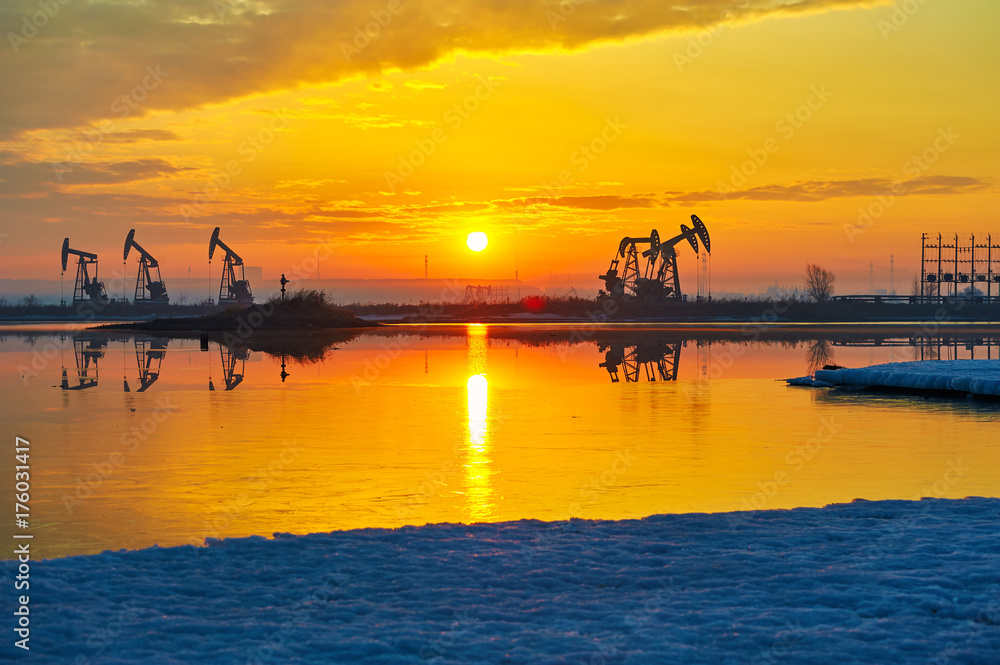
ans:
x=557 y=128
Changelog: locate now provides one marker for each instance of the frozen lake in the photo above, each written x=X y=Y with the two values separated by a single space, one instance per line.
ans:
x=140 y=441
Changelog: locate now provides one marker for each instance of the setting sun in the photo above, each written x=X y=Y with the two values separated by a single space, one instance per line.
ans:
x=477 y=241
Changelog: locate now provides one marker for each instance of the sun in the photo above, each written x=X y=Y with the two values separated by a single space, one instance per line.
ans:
x=477 y=241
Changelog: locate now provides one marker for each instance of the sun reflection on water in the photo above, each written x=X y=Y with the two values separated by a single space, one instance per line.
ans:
x=477 y=465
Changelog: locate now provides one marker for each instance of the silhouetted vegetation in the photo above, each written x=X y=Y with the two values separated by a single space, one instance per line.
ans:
x=303 y=310
x=819 y=283
x=540 y=308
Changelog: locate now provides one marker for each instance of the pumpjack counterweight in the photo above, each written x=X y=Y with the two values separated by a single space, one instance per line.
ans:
x=147 y=289
x=86 y=288
x=232 y=291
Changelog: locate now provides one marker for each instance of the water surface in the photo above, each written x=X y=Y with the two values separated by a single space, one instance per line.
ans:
x=138 y=441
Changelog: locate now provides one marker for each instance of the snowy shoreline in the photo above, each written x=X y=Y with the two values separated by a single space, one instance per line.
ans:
x=973 y=377
x=865 y=582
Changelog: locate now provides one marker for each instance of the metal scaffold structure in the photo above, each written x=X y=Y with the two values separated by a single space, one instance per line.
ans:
x=952 y=268
x=658 y=278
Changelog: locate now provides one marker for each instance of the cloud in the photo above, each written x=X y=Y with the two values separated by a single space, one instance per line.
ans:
x=307 y=183
x=95 y=60
x=136 y=135
x=822 y=190
x=425 y=85
x=24 y=178
x=602 y=202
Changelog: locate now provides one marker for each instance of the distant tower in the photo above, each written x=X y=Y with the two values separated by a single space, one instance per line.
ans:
x=892 y=280
x=425 y=266
x=871 y=277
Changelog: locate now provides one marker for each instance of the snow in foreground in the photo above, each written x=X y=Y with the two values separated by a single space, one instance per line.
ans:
x=866 y=582
x=978 y=377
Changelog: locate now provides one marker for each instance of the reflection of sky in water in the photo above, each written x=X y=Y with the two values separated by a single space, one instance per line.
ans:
x=392 y=429
x=479 y=493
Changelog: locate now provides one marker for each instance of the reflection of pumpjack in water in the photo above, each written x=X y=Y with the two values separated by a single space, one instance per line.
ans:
x=149 y=352
x=230 y=358
x=659 y=360
x=87 y=350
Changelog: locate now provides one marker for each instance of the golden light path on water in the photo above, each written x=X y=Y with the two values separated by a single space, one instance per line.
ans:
x=394 y=429
x=477 y=464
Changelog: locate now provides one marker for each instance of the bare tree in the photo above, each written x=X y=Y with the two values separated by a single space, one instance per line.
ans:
x=819 y=282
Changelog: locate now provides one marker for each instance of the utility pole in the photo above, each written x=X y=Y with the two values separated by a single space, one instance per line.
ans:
x=892 y=279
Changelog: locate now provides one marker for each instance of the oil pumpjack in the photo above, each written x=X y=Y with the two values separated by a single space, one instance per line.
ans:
x=147 y=290
x=666 y=278
x=629 y=282
x=87 y=288
x=659 y=280
x=232 y=291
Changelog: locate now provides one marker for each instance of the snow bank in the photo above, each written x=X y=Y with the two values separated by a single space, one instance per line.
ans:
x=866 y=582
x=978 y=377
